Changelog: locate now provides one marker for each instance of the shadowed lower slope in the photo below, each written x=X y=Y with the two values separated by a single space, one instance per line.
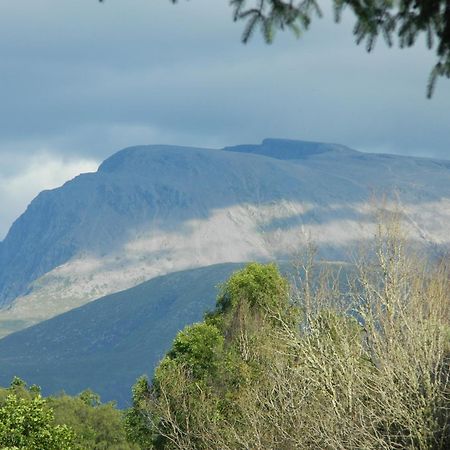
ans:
x=107 y=344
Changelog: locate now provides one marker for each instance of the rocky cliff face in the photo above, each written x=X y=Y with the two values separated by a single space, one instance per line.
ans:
x=150 y=210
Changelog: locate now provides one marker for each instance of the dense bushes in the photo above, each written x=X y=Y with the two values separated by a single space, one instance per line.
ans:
x=29 y=421
x=97 y=426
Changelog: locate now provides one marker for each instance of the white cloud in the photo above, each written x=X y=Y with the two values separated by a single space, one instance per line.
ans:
x=21 y=179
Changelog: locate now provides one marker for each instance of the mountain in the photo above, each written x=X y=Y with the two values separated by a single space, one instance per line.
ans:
x=106 y=344
x=153 y=210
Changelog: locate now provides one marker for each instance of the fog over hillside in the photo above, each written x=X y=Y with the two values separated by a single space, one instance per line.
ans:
x=152 y=210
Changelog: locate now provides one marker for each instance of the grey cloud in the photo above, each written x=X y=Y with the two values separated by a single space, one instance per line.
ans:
x=83 y=78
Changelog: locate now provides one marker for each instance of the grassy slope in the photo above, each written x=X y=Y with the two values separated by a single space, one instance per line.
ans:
x=105 y=345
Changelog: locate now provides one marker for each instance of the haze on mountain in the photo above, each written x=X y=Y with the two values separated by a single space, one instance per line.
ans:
x=152 y=210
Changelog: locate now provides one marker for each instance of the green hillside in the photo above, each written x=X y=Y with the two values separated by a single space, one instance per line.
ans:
x=105 y=345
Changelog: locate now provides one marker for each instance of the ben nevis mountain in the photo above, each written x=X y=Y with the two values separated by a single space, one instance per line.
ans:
x=172 y=222
x=152 y=210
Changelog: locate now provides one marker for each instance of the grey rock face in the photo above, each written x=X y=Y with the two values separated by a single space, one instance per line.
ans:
x=145 y=188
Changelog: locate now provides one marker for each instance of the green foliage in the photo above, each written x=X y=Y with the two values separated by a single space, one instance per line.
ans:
x=137 y=425
x=18 y=383
x=271 y=15
x=28 y=424
x=261 y=286
x=211 y=362
x=19 y=388
x=198 y=347
x=253 y=298
x=406 y=19
x=90 y=398
x=62 y=422
x=97 y=426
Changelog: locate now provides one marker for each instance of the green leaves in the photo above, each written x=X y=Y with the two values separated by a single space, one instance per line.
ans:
x=96 y=425
x=404 y=19
x=261 y=286
x=28 y=424
x=89 y=398
x=252 y=375
x=198 y=347
x=198 y=384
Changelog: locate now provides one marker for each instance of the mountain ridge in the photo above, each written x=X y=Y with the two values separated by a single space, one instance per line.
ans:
x=150 y=210
x=291 y=149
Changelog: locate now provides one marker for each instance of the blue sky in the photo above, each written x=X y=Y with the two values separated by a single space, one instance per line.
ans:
x=81 y=80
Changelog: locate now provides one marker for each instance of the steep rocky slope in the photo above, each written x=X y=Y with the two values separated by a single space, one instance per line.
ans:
x=152 y=210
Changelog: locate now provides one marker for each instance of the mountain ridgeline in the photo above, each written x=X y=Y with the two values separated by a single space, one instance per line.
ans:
x=152 y=210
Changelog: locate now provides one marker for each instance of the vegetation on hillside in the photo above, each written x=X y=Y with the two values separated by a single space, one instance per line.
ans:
x=320 y=367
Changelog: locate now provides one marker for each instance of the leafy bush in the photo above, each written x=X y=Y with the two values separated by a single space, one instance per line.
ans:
x=28 y=424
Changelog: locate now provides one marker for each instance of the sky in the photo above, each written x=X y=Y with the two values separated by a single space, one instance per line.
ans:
x=80 y=80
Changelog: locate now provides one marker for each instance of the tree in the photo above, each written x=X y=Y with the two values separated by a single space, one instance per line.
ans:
x=28 y=424
x=97 y=425
x=191 y=402
x=367 y=366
